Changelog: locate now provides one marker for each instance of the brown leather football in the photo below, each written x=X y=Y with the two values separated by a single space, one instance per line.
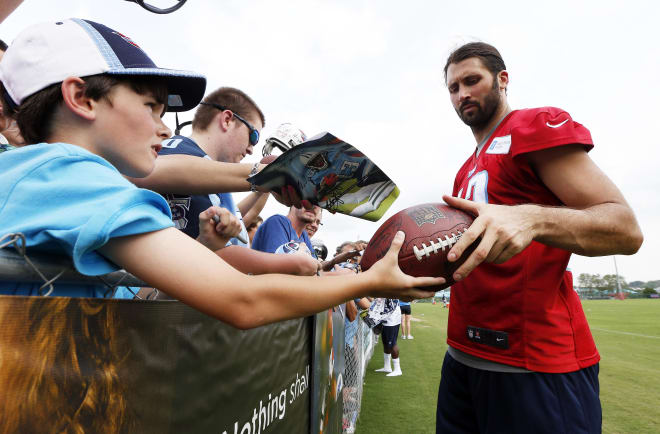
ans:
x=431 y=231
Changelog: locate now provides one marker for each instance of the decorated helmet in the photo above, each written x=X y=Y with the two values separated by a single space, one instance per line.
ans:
x=320 y=249
x=285 y=137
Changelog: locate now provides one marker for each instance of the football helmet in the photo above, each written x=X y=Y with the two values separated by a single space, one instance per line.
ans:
x=285 y=137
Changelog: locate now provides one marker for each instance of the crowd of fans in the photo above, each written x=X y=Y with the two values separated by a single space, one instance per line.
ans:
x=116 y=187
x=116 y=190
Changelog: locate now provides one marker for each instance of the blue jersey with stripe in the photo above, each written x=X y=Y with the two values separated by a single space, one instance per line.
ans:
x=186 y=208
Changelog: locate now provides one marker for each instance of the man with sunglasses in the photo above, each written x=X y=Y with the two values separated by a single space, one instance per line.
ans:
x=194 y=171
x=225 y=128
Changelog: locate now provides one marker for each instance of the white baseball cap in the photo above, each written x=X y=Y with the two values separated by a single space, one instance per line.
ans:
x=47 y=53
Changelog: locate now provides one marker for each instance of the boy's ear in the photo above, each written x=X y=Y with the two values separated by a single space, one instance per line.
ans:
x=73 y=95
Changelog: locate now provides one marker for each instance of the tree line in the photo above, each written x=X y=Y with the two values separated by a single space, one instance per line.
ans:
x=607 y=283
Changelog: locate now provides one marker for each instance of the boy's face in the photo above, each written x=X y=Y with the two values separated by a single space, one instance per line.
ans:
x=129 y=130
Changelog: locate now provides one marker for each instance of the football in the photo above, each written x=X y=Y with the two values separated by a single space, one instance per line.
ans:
x=431 y=231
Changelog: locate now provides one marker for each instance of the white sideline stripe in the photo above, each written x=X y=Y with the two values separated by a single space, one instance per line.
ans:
x=625 y=333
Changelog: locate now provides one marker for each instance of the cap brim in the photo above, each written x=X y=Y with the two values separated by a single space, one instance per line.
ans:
x=185 y=88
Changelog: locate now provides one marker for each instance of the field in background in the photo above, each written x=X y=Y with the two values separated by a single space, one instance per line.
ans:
x=627 y=334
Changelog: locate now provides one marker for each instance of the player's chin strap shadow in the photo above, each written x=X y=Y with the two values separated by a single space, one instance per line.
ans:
x=159 y=10
x=177 y=130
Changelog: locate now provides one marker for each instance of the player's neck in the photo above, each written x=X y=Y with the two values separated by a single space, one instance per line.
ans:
x=484 y=131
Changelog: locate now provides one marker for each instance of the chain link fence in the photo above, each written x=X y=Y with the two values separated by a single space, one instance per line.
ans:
x=359 y=347
x=45 y=270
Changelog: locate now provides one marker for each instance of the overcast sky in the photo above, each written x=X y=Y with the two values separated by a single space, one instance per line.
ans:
x=370 y=72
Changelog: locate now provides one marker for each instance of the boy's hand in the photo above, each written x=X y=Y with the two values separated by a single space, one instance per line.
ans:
x=216 y=235
x=391 y=282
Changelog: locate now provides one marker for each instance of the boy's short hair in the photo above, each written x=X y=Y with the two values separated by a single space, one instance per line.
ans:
x=35 y=119
x=43 y=55
x=233 y=99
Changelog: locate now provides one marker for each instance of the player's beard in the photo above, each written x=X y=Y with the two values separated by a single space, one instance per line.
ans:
x=483 y=113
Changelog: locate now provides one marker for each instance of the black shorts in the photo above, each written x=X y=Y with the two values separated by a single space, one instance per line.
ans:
x=473 y=400
x=405 y=310
x=390 y=333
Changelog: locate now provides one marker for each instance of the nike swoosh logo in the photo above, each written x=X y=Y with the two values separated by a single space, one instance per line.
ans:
x=556 y=125
x=499 y=339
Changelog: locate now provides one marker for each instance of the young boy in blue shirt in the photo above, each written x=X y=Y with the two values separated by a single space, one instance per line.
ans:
x=92 y=100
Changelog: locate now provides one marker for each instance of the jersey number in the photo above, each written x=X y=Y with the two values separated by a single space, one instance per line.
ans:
x=477 y=188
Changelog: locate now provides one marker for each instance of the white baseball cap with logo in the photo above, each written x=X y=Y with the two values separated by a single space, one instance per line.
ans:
x=47 y=53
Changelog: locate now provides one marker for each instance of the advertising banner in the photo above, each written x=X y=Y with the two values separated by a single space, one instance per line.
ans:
x=98 y=365
x=328 y=378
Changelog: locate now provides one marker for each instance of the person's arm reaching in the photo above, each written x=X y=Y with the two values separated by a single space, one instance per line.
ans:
x=198 y=277
x=351 y=310
x=187 y=174
x=7 y=7
x=251 y=206
x=364 y=303
x=596 y=219
x=255 y=262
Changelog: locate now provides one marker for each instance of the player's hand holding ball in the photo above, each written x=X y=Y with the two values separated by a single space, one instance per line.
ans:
x=431 y=229
x=504 y=230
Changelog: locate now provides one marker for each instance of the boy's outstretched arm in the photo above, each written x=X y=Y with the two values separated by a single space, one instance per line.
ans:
x=186 y=174
x=191 y=273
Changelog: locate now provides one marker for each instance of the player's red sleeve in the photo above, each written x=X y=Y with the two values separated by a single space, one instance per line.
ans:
x=548 y=127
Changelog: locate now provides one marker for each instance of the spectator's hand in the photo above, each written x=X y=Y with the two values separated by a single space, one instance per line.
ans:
x=216 y=235
x=342 y=257
x=504 y=230
x=288 y=195
x=267 y=160
x=302 y=248
x=391 y=282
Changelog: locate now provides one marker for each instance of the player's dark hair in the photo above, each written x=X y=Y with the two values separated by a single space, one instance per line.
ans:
x=232 y=99
x=3 y=45
x=36 y=114
x=491 y=58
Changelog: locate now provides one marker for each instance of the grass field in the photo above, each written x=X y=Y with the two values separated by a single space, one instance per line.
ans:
x=627 y=334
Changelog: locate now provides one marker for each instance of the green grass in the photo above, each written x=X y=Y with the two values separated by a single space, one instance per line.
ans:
x=627 y=334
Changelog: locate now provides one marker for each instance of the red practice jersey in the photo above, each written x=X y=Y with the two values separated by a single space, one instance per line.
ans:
x=523 y=312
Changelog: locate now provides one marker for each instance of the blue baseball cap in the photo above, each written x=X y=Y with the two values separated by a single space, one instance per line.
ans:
x=47 y=53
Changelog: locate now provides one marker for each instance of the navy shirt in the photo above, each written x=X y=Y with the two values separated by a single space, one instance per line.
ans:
x=275 y=231
x=186 y=208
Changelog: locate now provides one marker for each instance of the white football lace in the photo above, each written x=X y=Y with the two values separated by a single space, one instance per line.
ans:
x=448 y=242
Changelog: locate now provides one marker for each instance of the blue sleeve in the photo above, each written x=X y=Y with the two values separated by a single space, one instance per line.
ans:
x=74 y=203
x=271 y=234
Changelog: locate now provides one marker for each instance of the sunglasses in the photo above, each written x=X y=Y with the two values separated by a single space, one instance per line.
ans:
x=254 y=133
